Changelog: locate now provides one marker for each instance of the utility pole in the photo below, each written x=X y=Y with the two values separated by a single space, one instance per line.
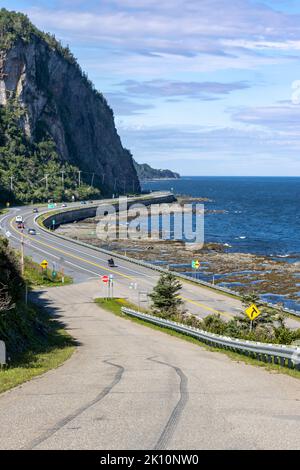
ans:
x=79 y=177
x=46 y=180
x=63 y=179
x=22 y=253
x=11 y=183
x=92 y=180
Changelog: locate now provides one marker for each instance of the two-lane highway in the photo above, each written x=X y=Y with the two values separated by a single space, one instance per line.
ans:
x=131 y=387
x=86 y=262
x=83 y=263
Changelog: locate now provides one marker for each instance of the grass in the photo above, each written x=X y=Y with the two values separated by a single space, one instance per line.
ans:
x=44 y=352
x=35 y=276
x=115 y=305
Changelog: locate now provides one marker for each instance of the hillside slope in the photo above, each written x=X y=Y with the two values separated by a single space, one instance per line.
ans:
x=146 y=172
x=53 y=101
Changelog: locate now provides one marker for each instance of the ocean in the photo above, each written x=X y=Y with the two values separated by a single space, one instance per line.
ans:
x=259 y=215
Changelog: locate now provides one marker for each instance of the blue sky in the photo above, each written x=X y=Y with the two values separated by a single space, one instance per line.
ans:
x=203 y=87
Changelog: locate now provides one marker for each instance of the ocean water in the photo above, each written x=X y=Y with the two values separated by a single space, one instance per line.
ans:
x=261 y=215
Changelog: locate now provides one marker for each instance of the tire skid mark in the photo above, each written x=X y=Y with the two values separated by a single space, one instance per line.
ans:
x=60 y=424
x=174 y=418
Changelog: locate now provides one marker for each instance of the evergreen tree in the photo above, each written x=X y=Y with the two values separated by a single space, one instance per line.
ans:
x=165 y=296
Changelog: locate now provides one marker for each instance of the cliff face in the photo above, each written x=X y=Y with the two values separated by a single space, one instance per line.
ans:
x=146 y=172
x=59 y=101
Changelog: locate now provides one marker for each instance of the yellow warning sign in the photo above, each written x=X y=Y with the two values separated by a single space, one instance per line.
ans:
x=252 y=312
x=44 y=264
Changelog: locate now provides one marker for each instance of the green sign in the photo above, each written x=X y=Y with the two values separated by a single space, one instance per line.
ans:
x=195 y=264
x=54 y=274
x=51 y=206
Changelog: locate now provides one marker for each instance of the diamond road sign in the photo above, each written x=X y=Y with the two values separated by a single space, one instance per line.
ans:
x=252 y=312
x=44 y=264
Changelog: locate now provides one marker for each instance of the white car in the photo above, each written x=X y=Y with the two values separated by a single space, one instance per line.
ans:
x=19 y=219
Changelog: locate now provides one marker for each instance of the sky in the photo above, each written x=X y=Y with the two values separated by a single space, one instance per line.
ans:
x=203 y=87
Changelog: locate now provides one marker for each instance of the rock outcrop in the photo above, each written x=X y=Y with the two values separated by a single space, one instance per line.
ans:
x=146 y=172
x=60 y=102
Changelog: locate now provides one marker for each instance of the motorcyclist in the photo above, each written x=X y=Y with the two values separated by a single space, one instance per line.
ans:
x=111 y=262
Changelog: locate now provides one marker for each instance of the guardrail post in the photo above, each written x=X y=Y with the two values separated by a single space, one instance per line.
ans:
x=282 y=361
x=268 y=353
x=270 y=359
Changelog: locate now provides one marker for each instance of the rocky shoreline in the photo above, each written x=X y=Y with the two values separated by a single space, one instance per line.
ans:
x=276 y=281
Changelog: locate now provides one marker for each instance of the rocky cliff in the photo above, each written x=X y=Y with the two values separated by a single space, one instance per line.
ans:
x=60 y=102
x=146 y=172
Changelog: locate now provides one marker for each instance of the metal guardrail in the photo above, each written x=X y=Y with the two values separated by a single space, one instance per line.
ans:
x=163 y=270
x=286 y=356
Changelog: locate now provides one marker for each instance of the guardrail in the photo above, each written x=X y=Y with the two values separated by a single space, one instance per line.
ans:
x=286 y=356
x=163 y=270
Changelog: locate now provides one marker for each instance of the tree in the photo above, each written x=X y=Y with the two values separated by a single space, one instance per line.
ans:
x=165 y=296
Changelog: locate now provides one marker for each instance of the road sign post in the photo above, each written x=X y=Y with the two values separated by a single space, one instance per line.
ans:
x=195 y=265
x=252 y=312
x=105 y=280
x=44 y=266
x=22 y=253
x=111 y=285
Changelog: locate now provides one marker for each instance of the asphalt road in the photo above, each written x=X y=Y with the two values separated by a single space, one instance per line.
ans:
x=130 y=387
x=130 y=280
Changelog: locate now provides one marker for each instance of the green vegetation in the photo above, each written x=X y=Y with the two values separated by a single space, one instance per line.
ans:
x=115 y=305
x=22 y=158
x=15 y=26
x=35 y=341
x=165 y=296
x=145 y=171
x=47 y=346
x=268 y=327
x=35 y=276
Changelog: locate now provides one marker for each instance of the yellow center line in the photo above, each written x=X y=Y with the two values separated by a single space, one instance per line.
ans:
x=195 y=302
x=71 y=255
x=113 y=271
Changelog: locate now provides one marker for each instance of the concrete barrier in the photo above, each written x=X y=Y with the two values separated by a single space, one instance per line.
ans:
x=72 y=215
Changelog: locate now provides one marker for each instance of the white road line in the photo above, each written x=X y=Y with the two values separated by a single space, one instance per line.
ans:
x=58 y=257
x=98 y=258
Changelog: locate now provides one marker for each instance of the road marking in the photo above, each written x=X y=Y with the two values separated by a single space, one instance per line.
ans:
x=74 y=256
x=97 y=257
x=117 y=272
x=195 y=302
x=51 y=255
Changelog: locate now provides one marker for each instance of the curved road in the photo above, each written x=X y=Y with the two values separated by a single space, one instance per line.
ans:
x=130 y=387
x=84 y=263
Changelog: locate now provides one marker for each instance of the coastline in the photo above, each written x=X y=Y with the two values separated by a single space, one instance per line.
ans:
x=275 y=280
